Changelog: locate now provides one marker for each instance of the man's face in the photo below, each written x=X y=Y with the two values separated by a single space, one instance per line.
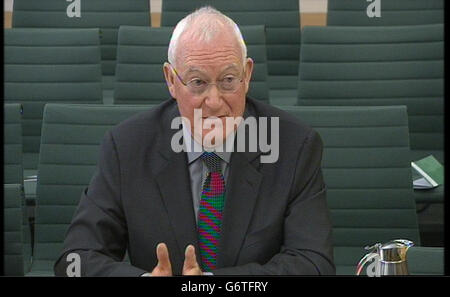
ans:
x=209 y=62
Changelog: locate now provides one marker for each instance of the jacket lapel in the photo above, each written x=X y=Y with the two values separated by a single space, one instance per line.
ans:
x=174 y=183
x=242 y=190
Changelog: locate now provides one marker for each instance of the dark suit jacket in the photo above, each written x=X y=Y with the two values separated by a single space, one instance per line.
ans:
x=276 y=219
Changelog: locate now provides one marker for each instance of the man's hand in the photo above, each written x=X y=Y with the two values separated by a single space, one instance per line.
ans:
x=164 y=268
x=190 y=266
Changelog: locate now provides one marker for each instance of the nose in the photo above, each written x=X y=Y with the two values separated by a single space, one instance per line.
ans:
x=213 y=98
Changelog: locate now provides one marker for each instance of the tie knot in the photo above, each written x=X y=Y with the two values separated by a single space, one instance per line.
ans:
x=212 y=161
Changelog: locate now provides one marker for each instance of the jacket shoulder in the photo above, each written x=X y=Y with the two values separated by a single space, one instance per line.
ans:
x=290 y=126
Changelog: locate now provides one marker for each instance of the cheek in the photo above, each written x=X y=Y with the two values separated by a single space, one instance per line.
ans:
x=237 y=104
x=186 y=106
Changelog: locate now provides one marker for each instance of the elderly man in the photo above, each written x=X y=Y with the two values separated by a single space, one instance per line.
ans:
x=204 y=211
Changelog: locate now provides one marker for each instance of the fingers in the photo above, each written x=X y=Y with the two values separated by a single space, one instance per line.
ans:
x=190 y=260
x=162 y=253
x=190 y=266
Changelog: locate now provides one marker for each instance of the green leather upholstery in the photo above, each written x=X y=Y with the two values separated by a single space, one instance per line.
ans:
x=397 y=65
x=49 y=65
x=13 y=230
x=425 y=260
x=71 y=135
x=400 y=65
x=142 y=52
x=12 y=145
x=107 y=15
x=282 y=22
x=13 y=175
x=393 y=13
x=368 y=176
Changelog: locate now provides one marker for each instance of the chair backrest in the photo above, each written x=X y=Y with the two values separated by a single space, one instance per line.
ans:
x=12 y=145
x=396 y=65
x=368 y=176
x=142 y=52
x=49 y=65
x=107 y=15
x=14 y=176
x=13 y=230
x=71 y=135
x=392 y=12
x=281 y=19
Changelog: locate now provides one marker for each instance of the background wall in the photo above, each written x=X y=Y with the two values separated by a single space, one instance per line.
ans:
x=313 y=12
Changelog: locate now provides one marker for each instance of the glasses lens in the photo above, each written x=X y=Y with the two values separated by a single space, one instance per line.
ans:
x=197 y=86
x=229 y=84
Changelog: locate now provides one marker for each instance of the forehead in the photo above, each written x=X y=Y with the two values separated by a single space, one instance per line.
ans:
x=220 y=51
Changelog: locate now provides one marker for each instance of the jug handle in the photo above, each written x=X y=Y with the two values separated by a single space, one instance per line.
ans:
x=364 y=261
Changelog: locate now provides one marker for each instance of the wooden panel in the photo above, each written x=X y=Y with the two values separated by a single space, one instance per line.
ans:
x=313 y=19
x=307 y=19
x=8 y=19
x=156 y=19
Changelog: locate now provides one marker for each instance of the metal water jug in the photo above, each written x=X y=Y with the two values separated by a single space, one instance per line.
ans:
x=389 y=258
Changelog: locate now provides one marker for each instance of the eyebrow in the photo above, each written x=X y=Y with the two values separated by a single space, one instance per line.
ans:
x=194 y=69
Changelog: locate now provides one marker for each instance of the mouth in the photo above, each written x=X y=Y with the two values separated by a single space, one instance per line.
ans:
x=220 y=117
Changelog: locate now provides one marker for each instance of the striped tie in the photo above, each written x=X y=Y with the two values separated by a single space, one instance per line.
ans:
x=210 y=213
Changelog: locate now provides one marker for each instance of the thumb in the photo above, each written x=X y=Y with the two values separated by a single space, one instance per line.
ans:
x=162 y=253
x=190 y=260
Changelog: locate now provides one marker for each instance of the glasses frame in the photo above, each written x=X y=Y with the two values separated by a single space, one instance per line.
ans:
x=208 y=84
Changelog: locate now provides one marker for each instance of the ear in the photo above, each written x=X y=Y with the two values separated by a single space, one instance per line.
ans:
x=248 y=73
x=170 y=79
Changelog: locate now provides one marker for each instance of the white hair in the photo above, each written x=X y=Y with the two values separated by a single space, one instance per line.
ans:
x=212 y=21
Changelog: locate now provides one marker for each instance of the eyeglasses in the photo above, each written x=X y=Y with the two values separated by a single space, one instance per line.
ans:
x=196 y=86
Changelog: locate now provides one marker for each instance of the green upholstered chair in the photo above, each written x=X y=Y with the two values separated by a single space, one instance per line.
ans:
x=49 y=65
x=368 y=176
x=142 y=52
x=12 y=145
x=425 y=261
x=13 y=171
x=107 y=15
x=396 y=65
x=393 y=13
x=13 y=230
x=282 y=22
x=71 y=135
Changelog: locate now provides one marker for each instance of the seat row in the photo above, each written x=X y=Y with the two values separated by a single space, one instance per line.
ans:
x=358 y=66
x=365 y=167
x=281 y=19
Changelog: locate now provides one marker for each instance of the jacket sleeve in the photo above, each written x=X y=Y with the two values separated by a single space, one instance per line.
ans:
x=98 y=231
x=307 y=248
